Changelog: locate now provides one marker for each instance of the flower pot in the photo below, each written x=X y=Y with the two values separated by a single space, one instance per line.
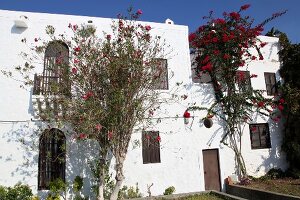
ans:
x=208 y=122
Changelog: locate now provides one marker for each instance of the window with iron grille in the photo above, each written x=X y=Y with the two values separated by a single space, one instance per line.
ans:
x=270 y=81
x=54 y=79
x=161 y=74
x=260 y=136
x=151 y=147
x=52 y=157
x=244 y=81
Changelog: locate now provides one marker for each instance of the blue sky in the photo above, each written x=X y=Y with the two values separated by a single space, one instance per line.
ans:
x=185 y=12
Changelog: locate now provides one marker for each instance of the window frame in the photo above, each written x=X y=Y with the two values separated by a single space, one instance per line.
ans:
x=247 y=81
x=151 y=147
x=259 y=131
x=272 y=85
x=51 y=167
x=163 y=78
x=54 y=74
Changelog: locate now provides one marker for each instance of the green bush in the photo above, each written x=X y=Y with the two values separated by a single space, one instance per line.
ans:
x=129 y=193
x=18 y=192
x=169 y=190
x=275 y=173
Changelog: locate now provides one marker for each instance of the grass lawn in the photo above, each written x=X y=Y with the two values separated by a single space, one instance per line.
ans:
x=285 y=186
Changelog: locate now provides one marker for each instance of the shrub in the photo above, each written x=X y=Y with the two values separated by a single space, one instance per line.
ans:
x=18 y=192
x=275 y=173
x=169 y=190
x=129 y=193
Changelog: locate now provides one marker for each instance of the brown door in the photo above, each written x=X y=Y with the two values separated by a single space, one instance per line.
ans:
x=211 y=169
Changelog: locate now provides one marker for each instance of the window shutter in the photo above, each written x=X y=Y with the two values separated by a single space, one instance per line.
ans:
x=270 y=81
x=151 y=147
x=161 y=71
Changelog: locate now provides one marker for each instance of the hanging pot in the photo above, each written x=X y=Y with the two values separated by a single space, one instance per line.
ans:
x=208 y=122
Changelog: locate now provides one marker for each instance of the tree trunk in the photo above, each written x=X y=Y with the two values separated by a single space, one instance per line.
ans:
x=101 y=184
x=119 y=177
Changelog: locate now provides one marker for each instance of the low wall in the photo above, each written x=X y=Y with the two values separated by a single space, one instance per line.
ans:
x=256 y=194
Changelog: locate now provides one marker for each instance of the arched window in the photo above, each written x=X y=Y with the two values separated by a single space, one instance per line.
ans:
x=54 y=79
x=52 y=157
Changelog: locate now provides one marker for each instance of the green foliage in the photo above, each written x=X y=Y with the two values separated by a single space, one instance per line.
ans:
x=18 y=192
x=169 y=190
x=290 y=92
x=129 y=192
x=275 y=173
x=77 y=183
x=57 y=188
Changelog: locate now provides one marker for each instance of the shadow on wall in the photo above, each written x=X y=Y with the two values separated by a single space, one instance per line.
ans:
x=276 y=157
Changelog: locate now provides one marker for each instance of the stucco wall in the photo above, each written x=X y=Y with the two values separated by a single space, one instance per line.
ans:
x=181 y=145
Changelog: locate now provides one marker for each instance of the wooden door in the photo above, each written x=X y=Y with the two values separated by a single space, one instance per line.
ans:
x=211 y=169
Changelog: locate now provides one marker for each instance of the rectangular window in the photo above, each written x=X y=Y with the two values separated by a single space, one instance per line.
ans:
x=243 y=81
x=161 y=75
x=151 y=147
x=260 y=136
x=270 y=81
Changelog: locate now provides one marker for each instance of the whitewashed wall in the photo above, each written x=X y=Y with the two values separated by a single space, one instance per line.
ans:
x=181 y=145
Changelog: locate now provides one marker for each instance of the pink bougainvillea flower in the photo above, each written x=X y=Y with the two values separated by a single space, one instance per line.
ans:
x=263 y=44
x=281 y=100
x=75 y=27
x=207 y=67
x=108 y=37
x=253 y=57
x=74 y=70
x=253 y=76
x=139 y=12
x=226 y=56
x=206 y=60
x=98 y=127
x=240 y=76
x=216 y=52
x=76 y=61
x=260 y=104
x=215 y=40
x=82 y=136
x=245 y=7
x=192 y=37
x=261 y=57
x=280 y=107
x=235 y=15
x=158 y=139
x=253 y=128
x=186 y=114
x=148 y=28
x=88 y=95
x=77 y=49
x=110 y=135
x=220 y=21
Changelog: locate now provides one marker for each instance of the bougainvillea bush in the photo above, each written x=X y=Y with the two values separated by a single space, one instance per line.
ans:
x=222 y=47
x=106 y=85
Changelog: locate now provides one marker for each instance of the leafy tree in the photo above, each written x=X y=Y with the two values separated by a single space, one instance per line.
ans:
x=222 y=47
x=290 y=92
x=108 y=87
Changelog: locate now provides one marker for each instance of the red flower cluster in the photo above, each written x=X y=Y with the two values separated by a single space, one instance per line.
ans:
x=148 y=28
x=74 y=70
x=77 y=49
x=207 y=67
x=88 y=95
x=245 y=7
x=186 y=114
x=139 y=12
x=235 y=15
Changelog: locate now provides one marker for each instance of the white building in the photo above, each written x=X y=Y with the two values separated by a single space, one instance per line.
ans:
x=188 y=154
